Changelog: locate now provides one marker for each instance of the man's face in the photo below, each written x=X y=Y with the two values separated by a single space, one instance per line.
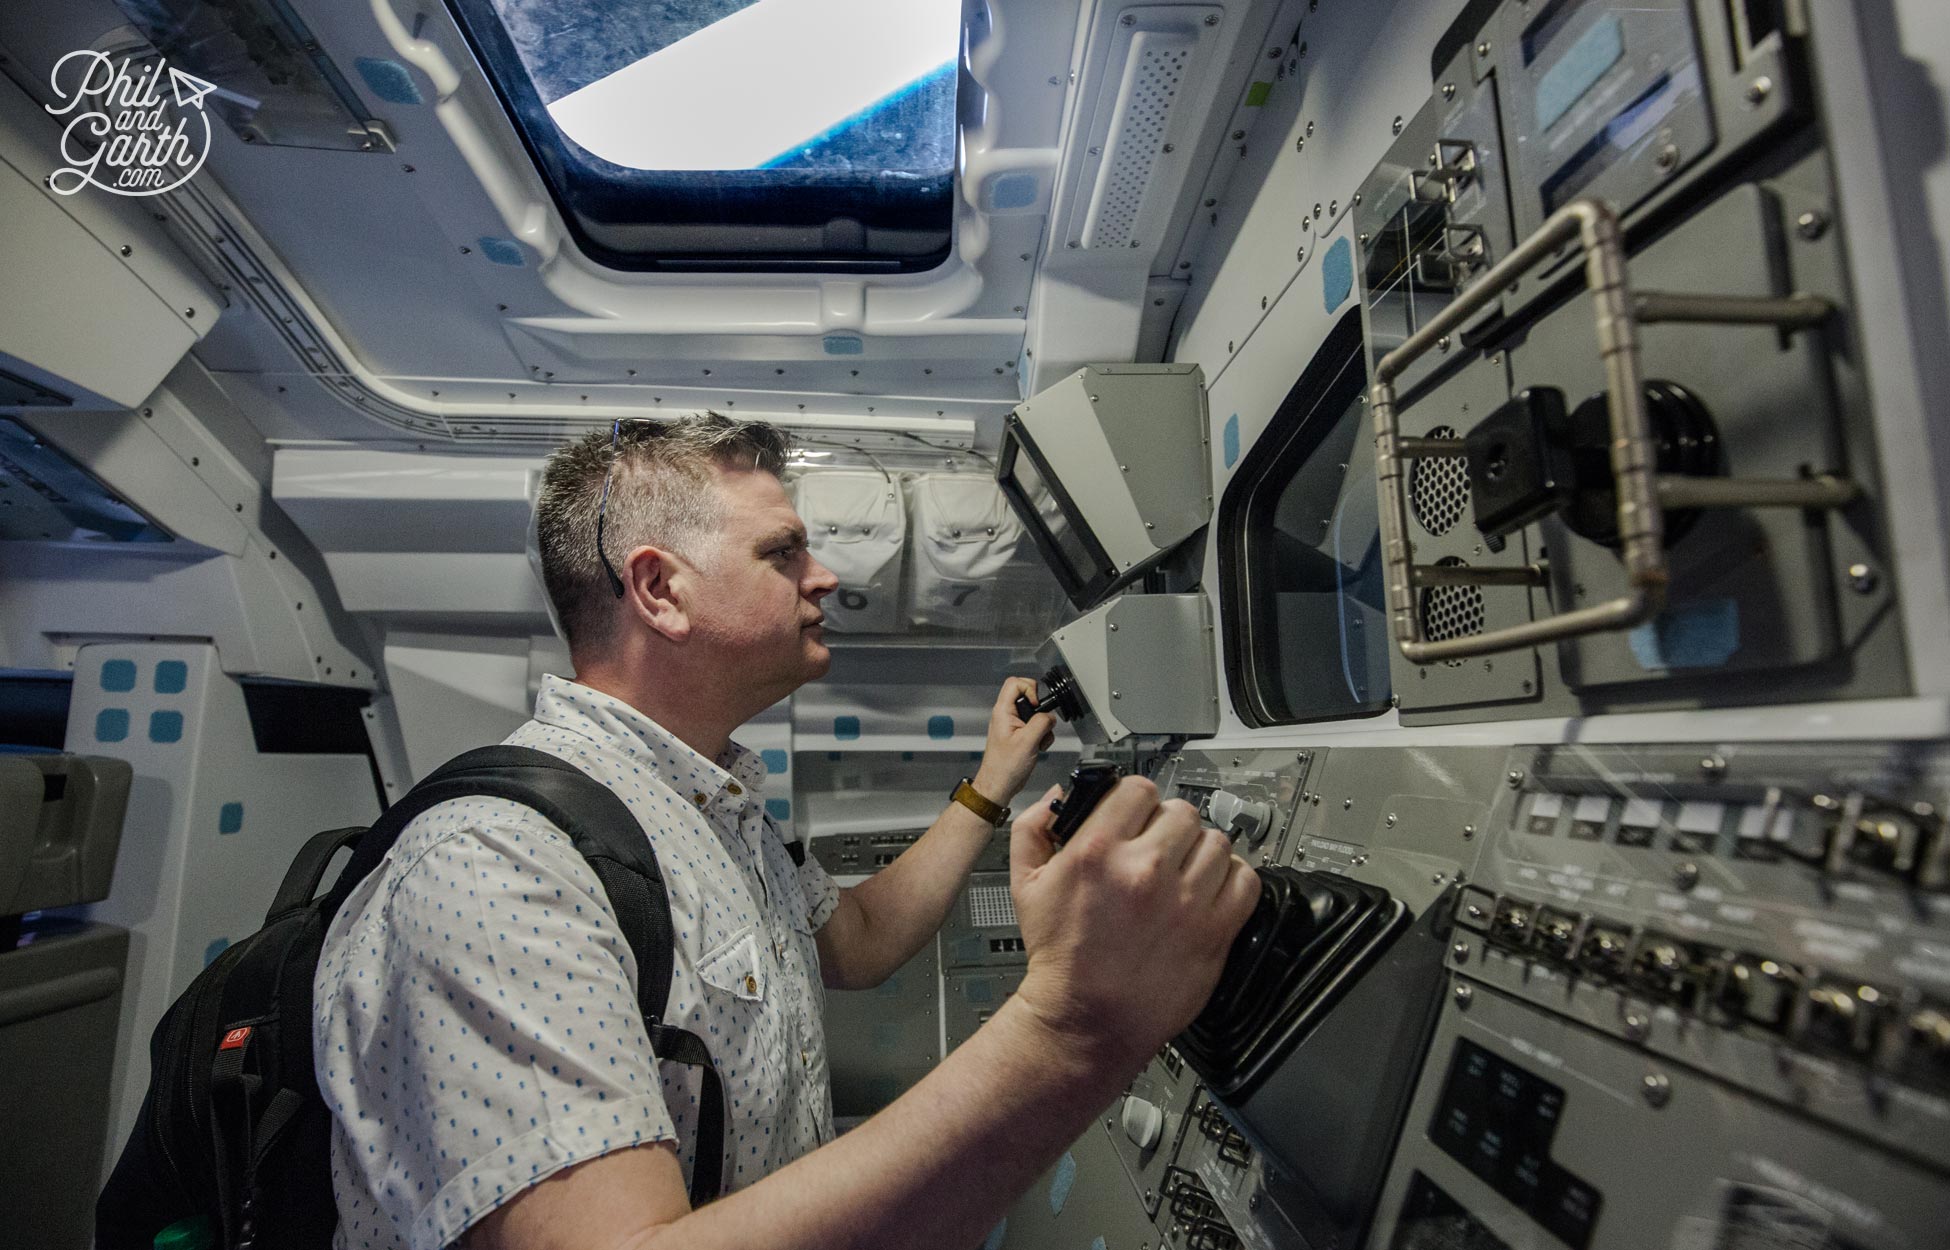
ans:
x=756 y=601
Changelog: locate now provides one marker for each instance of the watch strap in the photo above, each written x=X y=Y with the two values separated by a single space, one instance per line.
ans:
x=969 y=797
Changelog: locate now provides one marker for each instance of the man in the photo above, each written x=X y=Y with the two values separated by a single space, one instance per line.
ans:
x=476 y=1026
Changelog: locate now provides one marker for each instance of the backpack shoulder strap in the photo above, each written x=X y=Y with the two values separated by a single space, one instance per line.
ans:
x=607 y=835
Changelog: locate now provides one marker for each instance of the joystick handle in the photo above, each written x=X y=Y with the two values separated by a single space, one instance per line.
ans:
x=1089 y=783
x=1026 y=706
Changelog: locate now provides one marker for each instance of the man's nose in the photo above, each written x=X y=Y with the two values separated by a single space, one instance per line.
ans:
x=820 y=580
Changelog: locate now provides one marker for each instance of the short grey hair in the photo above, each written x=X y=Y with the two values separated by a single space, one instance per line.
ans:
x=663 y=493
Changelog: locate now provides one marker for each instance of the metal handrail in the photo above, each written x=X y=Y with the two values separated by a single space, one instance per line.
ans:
x=1643 y=493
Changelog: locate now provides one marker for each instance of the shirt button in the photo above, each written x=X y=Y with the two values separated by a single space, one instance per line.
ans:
x=700 y=799
x=733 y=787
x=751 y=984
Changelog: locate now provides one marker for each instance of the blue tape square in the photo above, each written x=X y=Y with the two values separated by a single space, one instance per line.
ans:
x=112 y=724
x=1061 y=1184
x=230 y=818
x=501 y=251
x=941 y=727
x=172 y=676
x=775 y=760
x=118 y=675
x=1337 y=274
x=388 y=80
x=846 y=728
x=165 y=726
x=779 y=809
x=1231 y=440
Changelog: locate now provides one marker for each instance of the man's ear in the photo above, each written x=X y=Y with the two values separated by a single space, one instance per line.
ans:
x=648 y=589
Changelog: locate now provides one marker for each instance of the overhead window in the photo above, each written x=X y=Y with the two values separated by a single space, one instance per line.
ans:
x=720 y=134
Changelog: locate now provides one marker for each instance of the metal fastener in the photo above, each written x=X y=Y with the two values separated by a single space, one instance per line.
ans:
x=1636 y=1026
x=1713 y=765
x=1483 y=49
x=1475 y=911
x=1391 y=820
x=1759 y=89
x=1463 y=995
x=1448 y=91
x=1514 y=777
x=1460 y=950
x=1686 y=875
x=1333 y=208
x=1346 y=804
x=1397 y=125
x=126 y=249
x=1442 y=344
x=1469 y=831
x=1656 y=1088
x=1811 y=225
x=1862 y=579
x=1116 y=694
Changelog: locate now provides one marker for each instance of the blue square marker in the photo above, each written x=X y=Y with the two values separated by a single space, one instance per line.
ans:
x=779 y=809
x=165 y=726
x=118 y=675
x=941 y=727
x=846 y=728
x=230 y=818
x=775 y=760
x=172 y=676
x=112 y=723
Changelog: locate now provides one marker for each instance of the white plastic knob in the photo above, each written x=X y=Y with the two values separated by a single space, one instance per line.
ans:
x=1144 y=1124
x=1237 y=815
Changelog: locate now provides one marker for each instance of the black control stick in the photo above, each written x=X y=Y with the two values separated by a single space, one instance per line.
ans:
x=1306 y=937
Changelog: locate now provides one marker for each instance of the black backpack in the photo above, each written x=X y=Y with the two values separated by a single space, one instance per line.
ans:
x=233 y=1128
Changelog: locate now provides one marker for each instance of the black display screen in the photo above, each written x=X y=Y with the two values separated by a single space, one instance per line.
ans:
x=1498 y=1121
x=1045 y=510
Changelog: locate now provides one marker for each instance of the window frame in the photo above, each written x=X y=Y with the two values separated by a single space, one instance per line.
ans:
x=1334 y=378
x=564 y=176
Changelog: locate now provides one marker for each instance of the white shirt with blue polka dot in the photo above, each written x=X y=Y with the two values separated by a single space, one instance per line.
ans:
x=475 y=1019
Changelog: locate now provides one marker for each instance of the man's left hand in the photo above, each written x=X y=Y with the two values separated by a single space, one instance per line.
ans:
x=1013 y=743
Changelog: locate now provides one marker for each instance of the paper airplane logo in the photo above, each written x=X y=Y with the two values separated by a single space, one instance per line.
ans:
x=189 y=89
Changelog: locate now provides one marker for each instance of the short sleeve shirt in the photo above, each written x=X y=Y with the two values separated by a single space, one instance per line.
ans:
x=475 y=1019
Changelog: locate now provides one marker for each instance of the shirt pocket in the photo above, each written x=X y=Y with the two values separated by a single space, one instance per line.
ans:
x=742 y=1026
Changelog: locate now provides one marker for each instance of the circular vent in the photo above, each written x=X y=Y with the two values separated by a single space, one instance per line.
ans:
x=1439 y=488
x=1451 y=611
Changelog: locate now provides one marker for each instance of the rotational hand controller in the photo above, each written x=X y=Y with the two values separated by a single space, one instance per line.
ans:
x=1308 y=936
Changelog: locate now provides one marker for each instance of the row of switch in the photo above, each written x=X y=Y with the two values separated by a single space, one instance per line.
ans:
x=1234 y=814
x=1905 y=1036
x=1907 y=841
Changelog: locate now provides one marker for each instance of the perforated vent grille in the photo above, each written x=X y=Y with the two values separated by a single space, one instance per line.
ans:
x=1138 y=142
x=1439 y=488
x=1451 y=611
x=990 y=907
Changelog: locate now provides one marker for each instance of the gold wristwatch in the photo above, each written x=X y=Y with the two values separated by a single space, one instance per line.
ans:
x=969 y=797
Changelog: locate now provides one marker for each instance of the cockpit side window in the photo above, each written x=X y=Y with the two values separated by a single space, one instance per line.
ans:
x=1300 y=553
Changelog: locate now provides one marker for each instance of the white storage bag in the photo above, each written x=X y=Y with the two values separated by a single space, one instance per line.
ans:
x=964 y=534
x=856 y=527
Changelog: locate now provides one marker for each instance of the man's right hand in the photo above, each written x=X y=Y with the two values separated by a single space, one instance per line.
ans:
x=1129 y=926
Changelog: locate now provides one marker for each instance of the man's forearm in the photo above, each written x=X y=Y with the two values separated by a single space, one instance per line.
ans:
x=938 y=1167
x=904 y=904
